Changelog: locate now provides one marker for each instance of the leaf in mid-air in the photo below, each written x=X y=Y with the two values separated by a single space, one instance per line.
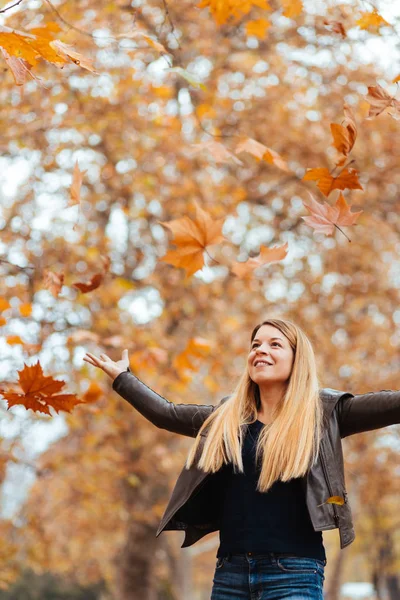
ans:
x=266 y=256
x=192 y=236
x=334 y=500
x=261 y=152
x=324 y=217
x=347 y=179
x=40 y=392
x=344 y=136
x=379 y=100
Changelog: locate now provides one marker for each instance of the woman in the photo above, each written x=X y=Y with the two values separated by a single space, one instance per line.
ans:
x=264 y=463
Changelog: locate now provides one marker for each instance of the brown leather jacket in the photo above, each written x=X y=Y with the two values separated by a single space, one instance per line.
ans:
x=344 y=414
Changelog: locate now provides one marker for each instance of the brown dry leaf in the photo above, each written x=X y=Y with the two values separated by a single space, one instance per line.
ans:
x=77 y=179
x=261 y=152
x=336 y=27
x=53 y=282
x=192 y=237
x=92 y=284
x=69 y=53
x=347 y=179
x=325 y=217
x=40 y=392
x=266 y=256
x=379 y=100
x=20 y=68
x=344 y=136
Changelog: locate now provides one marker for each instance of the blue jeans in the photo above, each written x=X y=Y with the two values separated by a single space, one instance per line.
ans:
x=270 y=576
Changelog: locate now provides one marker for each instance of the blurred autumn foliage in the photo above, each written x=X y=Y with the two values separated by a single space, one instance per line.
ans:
x=172 y=174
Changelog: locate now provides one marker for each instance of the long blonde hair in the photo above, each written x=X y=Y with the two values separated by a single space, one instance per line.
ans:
x=288 y=446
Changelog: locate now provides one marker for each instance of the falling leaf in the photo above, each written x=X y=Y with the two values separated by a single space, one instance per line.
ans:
x=344 y=136
x=13 y=339
x=371 y=20
x=231 y=9
x=258 y=28
x=334 y=500
x=336 y=27
x=20 y=68
x=217 y=150
x=94 y=283
x=292 y=8
x=77 y=179
x=379 y=100
x=266 y=256
x=53 y=282
x=347 y=179
x=40 y=392
x=25 y=309
x=325 y=217
x=4 y=304
x=68 y=52
x=192 y=237
x=261 y=152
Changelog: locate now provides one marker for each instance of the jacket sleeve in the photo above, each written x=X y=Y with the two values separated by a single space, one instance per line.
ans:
x=185 y=419
x=364 y=412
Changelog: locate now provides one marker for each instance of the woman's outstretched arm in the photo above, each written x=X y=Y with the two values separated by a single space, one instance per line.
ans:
x=185 y=419
x=364 y=412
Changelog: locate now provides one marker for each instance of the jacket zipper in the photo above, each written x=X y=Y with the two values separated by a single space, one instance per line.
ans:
x=335 y=515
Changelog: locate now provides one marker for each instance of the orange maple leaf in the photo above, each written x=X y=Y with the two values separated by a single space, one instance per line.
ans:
x=191 y=238
x=266 y=256
x=40 y=392
x=347 y=179
x=324 y=217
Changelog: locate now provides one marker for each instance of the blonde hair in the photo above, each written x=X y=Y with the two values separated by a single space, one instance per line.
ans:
x=288 y=446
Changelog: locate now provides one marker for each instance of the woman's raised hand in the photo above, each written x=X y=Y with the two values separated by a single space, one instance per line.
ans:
x=113 y=369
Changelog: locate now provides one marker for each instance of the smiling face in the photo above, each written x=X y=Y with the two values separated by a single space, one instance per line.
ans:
x=270 y=346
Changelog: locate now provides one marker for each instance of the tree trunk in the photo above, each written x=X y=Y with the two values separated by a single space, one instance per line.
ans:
x=135 y=564
x=335 y=582
x=393 y=587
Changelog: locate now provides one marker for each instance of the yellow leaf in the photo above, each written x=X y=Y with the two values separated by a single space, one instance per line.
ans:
x=371 y=20
x=25 y=309
x=258 y=28
x=292 y=8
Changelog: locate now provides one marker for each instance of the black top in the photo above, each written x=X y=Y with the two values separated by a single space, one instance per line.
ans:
x=252 y=521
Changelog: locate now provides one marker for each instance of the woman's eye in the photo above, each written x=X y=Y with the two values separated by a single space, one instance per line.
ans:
x=273 y=343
